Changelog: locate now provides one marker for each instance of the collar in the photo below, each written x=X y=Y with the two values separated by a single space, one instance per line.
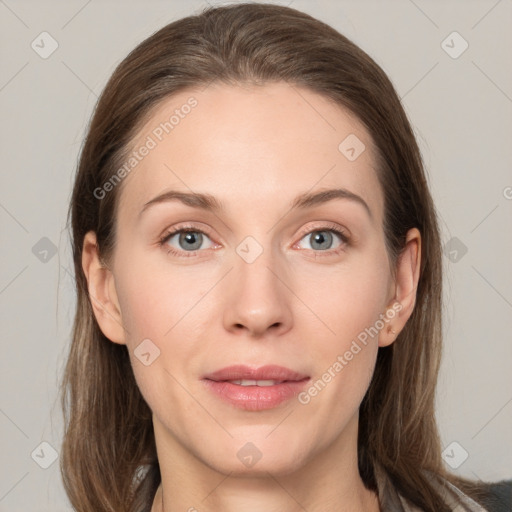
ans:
x=392 y=501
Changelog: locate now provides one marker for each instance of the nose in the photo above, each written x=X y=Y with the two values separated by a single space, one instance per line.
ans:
x=257 y=298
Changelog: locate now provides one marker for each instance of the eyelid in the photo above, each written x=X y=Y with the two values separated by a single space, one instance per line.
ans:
x=344 y=233
x=341 y=232
x=168 y=232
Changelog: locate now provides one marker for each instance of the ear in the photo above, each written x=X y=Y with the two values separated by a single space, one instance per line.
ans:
x=102 y=291
x=405 y=287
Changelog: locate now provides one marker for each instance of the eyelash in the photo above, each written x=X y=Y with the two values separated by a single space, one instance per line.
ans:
x=181 y=229
x=342 y=234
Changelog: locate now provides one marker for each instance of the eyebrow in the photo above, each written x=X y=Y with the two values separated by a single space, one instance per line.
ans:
x=210 y=203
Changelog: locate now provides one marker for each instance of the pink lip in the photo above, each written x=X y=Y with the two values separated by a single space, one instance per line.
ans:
x=255 y=398
x=269 y=372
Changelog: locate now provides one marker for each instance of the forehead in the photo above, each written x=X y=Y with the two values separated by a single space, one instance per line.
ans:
x=250 y=143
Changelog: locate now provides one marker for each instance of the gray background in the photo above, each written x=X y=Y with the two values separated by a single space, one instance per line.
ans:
x=460 y=108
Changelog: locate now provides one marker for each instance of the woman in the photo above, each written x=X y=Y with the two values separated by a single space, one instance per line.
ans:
x=258 y=273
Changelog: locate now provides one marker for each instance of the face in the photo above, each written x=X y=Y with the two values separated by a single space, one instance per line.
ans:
x=252 y=300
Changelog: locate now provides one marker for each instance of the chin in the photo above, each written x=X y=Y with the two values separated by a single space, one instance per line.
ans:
x=280 y=466
x=255 y=456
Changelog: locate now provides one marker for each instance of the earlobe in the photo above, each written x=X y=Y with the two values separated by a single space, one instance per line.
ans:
x=102 y=291
x=406 y=285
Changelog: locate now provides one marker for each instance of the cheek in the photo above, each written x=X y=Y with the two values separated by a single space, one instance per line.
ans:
x=159 y=299
x=155 y=297
x=350 y=297
x=167 y=306
x=362 y=303
x=157 y=307
x=349 y=302
x=345 y=355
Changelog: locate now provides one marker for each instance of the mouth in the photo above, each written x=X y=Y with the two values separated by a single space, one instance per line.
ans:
x=255 y=389
x=261 y=383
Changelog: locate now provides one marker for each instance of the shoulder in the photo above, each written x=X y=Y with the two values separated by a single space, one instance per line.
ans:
x=499 y=498
x=497 y=495
x=147 y=482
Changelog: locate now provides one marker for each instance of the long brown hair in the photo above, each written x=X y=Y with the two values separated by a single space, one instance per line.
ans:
x=108 y=427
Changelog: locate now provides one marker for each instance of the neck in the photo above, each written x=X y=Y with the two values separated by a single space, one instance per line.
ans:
x=330 y=482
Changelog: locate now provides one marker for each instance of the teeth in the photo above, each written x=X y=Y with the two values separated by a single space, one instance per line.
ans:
x=247 y=382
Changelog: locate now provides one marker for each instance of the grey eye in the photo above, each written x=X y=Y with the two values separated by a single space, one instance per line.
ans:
x=321 y=240
x=187 y=240
x=190 y=240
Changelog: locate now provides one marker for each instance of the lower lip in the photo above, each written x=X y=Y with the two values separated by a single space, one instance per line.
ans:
x=255 y=398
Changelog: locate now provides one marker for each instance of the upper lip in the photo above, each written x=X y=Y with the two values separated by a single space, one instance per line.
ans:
x=243 y=372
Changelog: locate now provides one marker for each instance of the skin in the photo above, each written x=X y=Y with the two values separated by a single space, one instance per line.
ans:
x=255 y=149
